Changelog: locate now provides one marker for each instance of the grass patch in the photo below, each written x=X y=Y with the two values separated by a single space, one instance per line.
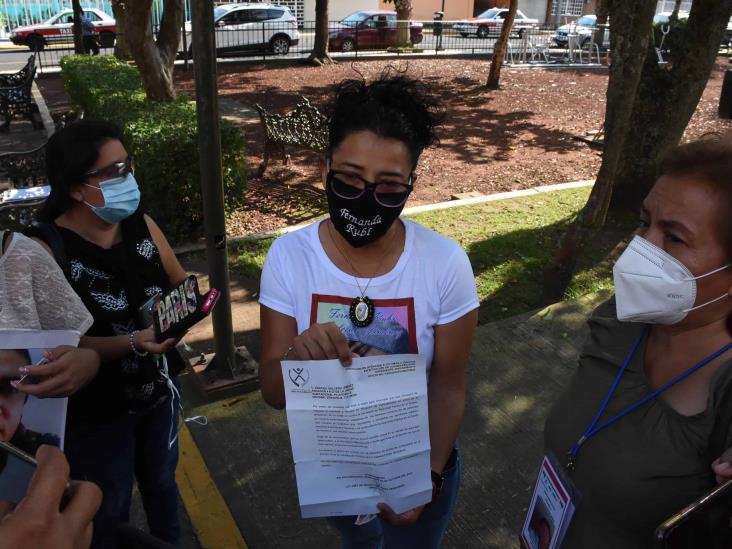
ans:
x=247 y=256
x=508 y=242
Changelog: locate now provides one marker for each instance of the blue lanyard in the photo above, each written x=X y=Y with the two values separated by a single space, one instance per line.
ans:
x=592 y=430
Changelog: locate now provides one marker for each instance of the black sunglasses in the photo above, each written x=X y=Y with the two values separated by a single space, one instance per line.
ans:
x=391 y=194
x=115 y=169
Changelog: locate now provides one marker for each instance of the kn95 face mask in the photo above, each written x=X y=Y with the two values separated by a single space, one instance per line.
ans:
x=653 y=286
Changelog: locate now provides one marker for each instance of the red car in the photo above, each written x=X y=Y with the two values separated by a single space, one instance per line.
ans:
x=369 y=30
x=59 y=30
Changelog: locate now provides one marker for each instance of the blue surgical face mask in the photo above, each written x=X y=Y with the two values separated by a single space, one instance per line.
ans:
x=121 y=199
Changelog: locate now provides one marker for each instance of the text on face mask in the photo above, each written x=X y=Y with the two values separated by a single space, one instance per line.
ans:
x=345 y=214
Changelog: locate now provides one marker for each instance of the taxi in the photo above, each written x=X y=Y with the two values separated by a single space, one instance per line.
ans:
x=59 y=29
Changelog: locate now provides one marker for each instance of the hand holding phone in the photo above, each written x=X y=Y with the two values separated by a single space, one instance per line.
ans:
x=722 y=466
x=36 y=520
x=705 y=522
x=146 y=341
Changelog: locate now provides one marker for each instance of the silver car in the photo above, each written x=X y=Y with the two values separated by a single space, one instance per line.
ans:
x=582 y=29
x=241 y=28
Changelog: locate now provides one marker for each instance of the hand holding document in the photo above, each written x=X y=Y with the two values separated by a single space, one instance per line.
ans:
x=360 y=435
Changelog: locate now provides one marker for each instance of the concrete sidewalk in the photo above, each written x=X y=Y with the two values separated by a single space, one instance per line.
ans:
x=517 y=368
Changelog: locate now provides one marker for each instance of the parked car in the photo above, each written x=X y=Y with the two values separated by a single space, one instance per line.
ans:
x=369 y=30
x=246 y=27
x=59 y=29
x=584 y=27
x=489 y=23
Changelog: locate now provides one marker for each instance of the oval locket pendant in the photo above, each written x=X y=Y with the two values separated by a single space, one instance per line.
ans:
x=361 y=312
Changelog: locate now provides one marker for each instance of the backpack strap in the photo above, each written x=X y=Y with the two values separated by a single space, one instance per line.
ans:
x=49 y=233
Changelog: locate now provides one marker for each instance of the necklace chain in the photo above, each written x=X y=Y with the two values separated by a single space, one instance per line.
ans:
x=381 y=263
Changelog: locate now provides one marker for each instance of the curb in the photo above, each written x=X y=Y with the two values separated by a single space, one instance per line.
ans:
x=201 y=246
x=210 y=517
x=48 y=124
x=499 y=196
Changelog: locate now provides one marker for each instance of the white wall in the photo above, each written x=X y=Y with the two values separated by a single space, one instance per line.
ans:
x=338 y=9
x=668 y=5
x=536 y=9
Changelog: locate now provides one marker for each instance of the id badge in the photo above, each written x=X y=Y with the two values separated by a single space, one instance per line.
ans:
x=551 y=509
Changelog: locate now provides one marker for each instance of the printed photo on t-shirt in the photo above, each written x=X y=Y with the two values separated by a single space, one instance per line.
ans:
x=391 y=332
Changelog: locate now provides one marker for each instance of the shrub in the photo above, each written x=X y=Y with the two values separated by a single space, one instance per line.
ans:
x=163 y=137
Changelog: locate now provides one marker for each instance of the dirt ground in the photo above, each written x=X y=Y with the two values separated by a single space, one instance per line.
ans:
x=518 y=137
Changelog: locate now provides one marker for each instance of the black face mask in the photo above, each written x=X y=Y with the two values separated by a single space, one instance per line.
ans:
x=360 y=220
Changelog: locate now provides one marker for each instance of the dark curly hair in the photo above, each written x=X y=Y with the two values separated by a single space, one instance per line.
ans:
x=392 y=106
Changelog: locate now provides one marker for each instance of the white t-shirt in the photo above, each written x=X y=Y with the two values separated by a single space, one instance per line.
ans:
x=34 y=294
x=431 y=284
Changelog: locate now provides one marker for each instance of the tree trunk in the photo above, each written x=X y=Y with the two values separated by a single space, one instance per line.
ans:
x=549 y=13
x=666 y=101
x=630 y=34
x=78 y=38
x=121 y=49
x=319 y=55
x=403 y=14
x=499 y=50
x=675 y=12
x=602 y=14
x=155 y=59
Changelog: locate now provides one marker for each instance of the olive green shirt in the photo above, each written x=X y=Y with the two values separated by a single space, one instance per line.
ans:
x=642 y=469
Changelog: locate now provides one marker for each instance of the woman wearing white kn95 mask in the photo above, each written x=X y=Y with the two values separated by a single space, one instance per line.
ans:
x=645 y=425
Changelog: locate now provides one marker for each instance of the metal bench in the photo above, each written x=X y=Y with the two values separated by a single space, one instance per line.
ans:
x=18 y=209
x=305 y=126
x=16 y=98
x=26 y=168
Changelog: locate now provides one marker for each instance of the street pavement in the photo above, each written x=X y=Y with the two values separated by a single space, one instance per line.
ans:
x=13 y=57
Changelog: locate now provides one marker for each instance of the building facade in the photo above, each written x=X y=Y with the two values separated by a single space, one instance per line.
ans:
x=548 y=12
x=424 y=10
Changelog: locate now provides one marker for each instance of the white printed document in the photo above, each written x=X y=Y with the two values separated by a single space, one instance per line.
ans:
x=360 y=435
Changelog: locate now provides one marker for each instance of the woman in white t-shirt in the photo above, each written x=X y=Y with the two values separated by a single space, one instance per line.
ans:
x=366 y=281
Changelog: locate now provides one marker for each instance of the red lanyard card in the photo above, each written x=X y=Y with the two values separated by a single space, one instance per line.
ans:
x=551 y=509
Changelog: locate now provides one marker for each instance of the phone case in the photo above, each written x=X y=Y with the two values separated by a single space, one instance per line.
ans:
x=145 y=311
x=181 y=308
x=705 y=522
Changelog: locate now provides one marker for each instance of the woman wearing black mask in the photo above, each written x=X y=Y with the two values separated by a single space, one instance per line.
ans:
x=366 y=281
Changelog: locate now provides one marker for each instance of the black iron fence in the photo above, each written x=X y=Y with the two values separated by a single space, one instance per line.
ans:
x=277 y=40
x=50 y=57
